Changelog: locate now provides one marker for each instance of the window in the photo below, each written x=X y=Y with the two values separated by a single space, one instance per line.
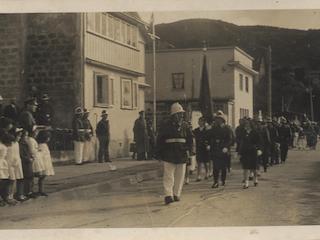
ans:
x=103 y=90
x=116 y=29
x=104 y=22
x=123 y=32
x=110 y=27
x=90 y=21
x=247 y=84
x=135 y=95
x=178 y=81
x=98 y=22
x=129 y=34
x=126 y=93
x=244 y=113
x=241 y=82
x=134 y=36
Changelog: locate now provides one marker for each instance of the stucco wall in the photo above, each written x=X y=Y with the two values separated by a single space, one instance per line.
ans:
x=121 y=120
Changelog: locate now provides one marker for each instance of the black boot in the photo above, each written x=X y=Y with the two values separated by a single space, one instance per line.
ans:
x=168 y=200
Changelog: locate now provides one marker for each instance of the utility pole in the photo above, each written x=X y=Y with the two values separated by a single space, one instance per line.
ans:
x=269 y=88
x=154 y=37
x=311 y=104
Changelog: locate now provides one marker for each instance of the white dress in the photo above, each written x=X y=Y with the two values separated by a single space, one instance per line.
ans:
x=14 y=162
x=46 y=159
x=4 y=169
x=37 y=164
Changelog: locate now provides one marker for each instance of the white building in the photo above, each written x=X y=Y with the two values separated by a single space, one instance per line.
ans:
x=178 y=72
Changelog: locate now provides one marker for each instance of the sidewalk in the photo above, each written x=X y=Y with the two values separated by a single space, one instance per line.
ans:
x=70 y=181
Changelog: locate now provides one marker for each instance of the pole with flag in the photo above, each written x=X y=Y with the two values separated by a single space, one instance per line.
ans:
x=154 y=37
x=205 y=100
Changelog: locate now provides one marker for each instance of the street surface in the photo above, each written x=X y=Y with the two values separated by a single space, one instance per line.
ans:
x=287 y=194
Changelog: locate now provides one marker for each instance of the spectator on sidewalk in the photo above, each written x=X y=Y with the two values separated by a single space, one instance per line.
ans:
x=88 y=147
x=141 y=137
x=174 y=147
x=1 y=106
x=26 y=119
x=11 y=111
x=284 y=139
x=78 y=135
x=44 y=112
x=4 y=172
x=103 y=135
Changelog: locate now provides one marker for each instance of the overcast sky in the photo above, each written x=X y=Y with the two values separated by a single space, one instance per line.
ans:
x=297 y=19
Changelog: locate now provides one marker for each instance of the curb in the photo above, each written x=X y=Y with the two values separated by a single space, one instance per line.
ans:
x=85 y=192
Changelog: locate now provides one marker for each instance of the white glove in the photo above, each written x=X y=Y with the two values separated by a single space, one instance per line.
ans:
x=259 y=152
x=208 y=147
x=225 y=150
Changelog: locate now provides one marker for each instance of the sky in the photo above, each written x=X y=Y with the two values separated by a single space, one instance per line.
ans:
x=294 y=19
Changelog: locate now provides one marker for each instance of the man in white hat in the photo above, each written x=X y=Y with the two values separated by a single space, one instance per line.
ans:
x=78 y=135
x=174 y=146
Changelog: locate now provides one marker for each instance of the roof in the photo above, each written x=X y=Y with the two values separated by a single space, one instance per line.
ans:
x=208 y=49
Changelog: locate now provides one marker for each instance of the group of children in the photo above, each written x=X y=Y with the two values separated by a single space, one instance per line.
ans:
x=24 y=156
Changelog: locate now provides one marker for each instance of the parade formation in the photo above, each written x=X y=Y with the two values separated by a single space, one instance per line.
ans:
x=258 y=144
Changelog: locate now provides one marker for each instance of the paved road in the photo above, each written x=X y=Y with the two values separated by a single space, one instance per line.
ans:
x=287 y=195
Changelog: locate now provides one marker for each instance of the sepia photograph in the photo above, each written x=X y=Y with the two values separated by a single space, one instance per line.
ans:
x=159 y=119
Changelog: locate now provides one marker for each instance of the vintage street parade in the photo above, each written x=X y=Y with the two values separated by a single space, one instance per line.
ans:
x=108 y=119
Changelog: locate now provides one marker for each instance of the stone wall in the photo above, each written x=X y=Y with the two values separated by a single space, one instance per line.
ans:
x=11 y=50
x=52 y=61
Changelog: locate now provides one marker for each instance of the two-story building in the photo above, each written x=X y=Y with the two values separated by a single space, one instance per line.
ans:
x=92 y=60
x=178 y=73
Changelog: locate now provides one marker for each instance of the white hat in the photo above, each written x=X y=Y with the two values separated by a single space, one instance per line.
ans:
x=1 y=98
x=176 y=108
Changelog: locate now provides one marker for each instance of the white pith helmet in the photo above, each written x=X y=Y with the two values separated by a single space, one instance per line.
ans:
x=176 y=108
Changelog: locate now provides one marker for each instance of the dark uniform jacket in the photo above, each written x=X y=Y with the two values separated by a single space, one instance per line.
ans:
x=202 y=140
x=141 y=136
x=284 y=134
x=103 y=129
x=44 y=114
x=220 y=137
x=174 y=141
x=78 y=130
x=88 y=127
x=27 y=121
x=249 y=145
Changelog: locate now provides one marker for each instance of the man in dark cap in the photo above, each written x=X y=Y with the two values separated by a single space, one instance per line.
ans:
x=141 y=137
x=45 y=111
x=220 y=142
x=26 y=118
x=103 y=134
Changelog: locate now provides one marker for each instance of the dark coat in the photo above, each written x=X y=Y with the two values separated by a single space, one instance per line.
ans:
x=174 y=152
x=11 y=111
x=220 y=137
x=26 y=159
x=27 y=121
x=141 y=137
x=78 y=130
x=88 y=127
x=202 y=142
x=239 y=134
x=103 y=129
x=44 y=114
x=249 y=145
x=284 y=134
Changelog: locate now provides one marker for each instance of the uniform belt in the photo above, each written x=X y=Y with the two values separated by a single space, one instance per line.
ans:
x=176 y=140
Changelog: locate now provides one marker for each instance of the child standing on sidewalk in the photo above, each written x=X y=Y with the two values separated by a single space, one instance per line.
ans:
x=37 y=165
x=4 y=173
x=43 y=138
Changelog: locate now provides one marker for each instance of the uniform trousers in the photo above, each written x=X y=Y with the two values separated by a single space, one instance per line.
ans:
x=173 y=178
x=88 y=151
x=216 y=173
x=78 y=151
x=284 y=151
x=103 y=154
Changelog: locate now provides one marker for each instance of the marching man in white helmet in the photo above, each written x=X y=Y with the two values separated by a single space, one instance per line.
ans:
x=174 y=146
